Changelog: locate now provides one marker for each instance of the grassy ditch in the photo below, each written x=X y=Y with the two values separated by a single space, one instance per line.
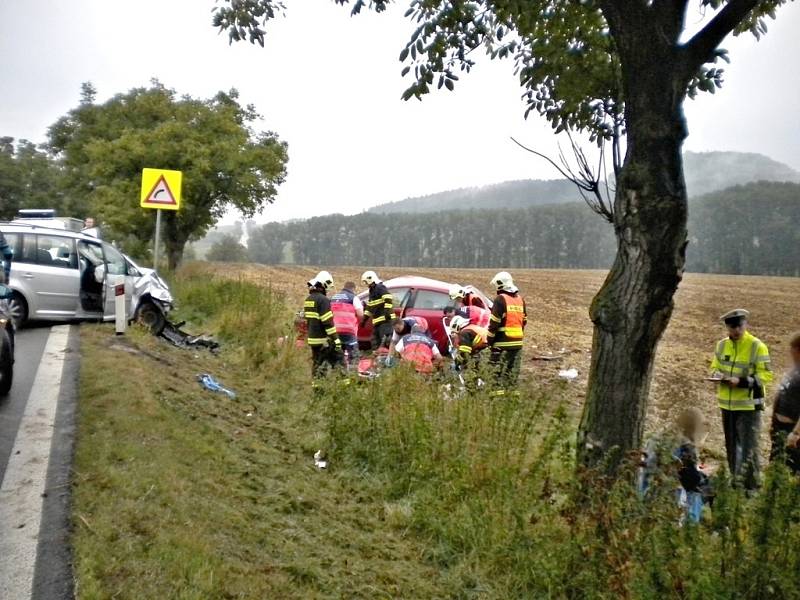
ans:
x=181 y=493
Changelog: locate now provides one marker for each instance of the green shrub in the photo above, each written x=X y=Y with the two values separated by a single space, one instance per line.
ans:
x=246 y=316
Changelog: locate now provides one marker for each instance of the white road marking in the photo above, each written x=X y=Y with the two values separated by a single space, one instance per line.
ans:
x=24 y=481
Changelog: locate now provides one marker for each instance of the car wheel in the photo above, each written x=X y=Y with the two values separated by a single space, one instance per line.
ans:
x=6 y=363
x=151 y=316
x=18 y=309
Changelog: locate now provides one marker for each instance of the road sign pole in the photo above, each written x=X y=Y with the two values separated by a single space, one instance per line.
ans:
x=161 y=189
x=158 y=238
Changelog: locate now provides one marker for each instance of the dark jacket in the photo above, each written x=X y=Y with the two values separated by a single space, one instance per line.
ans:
x=319 y=317
x=7 y=254
x=380 y=304
x=787 y=402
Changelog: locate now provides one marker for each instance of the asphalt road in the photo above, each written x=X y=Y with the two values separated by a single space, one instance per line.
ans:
x=36 y=443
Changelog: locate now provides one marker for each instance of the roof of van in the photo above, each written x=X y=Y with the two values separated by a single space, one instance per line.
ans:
x=17 y=226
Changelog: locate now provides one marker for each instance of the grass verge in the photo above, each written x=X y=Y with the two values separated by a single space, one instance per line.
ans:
x=181 y=493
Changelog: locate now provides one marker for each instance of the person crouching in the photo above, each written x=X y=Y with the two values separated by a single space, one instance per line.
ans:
x=418 y=349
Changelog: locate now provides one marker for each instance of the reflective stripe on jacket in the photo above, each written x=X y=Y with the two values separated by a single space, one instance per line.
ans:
x=380 y=304
x=746 y=357
x=472 y=339
x=507 y=321
x=344 y=313
x=319 y=317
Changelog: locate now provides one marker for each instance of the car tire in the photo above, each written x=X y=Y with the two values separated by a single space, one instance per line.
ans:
x=18 y=309
x=151 y=316
x=6 y=363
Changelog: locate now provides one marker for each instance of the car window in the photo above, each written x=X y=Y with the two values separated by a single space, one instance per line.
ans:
x=27 y=253
x=399 y=294
x=91 y=252
x=56 y=251
x=117 y=265
x=430 y=300
x=13 y=242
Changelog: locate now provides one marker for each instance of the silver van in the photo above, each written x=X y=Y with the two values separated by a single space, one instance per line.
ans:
x=63 y=275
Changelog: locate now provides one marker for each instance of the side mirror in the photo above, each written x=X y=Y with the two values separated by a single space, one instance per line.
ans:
x=5 y=292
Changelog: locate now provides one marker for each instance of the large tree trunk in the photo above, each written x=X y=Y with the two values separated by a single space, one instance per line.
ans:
x=635 y=303
x=174 y=241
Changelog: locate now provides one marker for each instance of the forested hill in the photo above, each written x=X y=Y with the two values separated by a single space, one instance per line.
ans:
x=750 y=229
x=705 y=172
x=509 y=194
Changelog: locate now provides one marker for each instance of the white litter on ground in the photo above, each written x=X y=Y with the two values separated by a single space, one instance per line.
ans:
x=568 y=374
x=319 y=460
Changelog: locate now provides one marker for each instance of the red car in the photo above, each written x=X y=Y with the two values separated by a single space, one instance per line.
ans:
x=413 y=297
x=420 y=297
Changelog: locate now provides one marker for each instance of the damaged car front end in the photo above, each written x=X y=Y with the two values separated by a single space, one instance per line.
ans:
x=151 y=299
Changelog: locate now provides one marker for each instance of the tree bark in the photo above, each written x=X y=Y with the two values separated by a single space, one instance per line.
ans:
x=174 y=241
x=634 y=305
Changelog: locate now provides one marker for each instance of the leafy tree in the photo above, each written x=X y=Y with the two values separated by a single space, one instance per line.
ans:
x=225 y=163
x=609 y=68
x=29 y=178
x=228 y=249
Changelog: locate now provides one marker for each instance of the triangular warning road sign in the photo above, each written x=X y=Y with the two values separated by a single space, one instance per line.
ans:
x=161 y=194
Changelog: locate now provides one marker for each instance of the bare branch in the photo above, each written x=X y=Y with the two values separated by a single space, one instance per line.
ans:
x=701 y=47
x=598 y=198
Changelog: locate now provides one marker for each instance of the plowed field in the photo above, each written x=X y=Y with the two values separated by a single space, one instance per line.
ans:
x=558 y=304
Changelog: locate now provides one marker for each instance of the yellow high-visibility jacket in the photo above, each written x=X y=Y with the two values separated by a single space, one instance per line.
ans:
x=747 y=359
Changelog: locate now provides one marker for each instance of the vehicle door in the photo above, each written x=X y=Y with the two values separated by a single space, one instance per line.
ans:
x=430 y=305
x=116 y=266
x=92 y=279
x=401 y=297
x=47 y=268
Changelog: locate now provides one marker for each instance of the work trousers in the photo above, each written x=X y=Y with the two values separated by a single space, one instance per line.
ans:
x=381 y=335
x=506 y=364
x=350 y=347
x=323 y=359
x=779 y=451
x=741 y=429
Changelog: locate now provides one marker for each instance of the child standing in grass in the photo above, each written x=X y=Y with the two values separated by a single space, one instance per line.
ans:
x=679 y=448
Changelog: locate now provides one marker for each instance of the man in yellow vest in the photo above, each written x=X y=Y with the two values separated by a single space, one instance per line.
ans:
x=741 y=369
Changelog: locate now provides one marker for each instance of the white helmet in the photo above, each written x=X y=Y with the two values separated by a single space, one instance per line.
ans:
x=369 y=277
x=456 y=291
x=458 y=323
x=504 y=281
x=323 y=279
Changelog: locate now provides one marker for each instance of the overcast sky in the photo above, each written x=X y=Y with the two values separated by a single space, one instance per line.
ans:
x=330 y=86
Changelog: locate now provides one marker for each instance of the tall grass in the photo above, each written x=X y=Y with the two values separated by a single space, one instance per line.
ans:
x=254 y=319
x=491 y=488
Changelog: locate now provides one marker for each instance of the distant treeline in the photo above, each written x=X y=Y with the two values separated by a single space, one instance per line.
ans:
x=750 y=229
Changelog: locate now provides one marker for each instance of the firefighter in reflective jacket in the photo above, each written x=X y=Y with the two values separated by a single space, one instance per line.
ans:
x=326 y=347
x=469 y=340
x=741 y=368
x=467 y=305
x=420 y=350
x=380 y=308
x=347 y=312
x=506 y=329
